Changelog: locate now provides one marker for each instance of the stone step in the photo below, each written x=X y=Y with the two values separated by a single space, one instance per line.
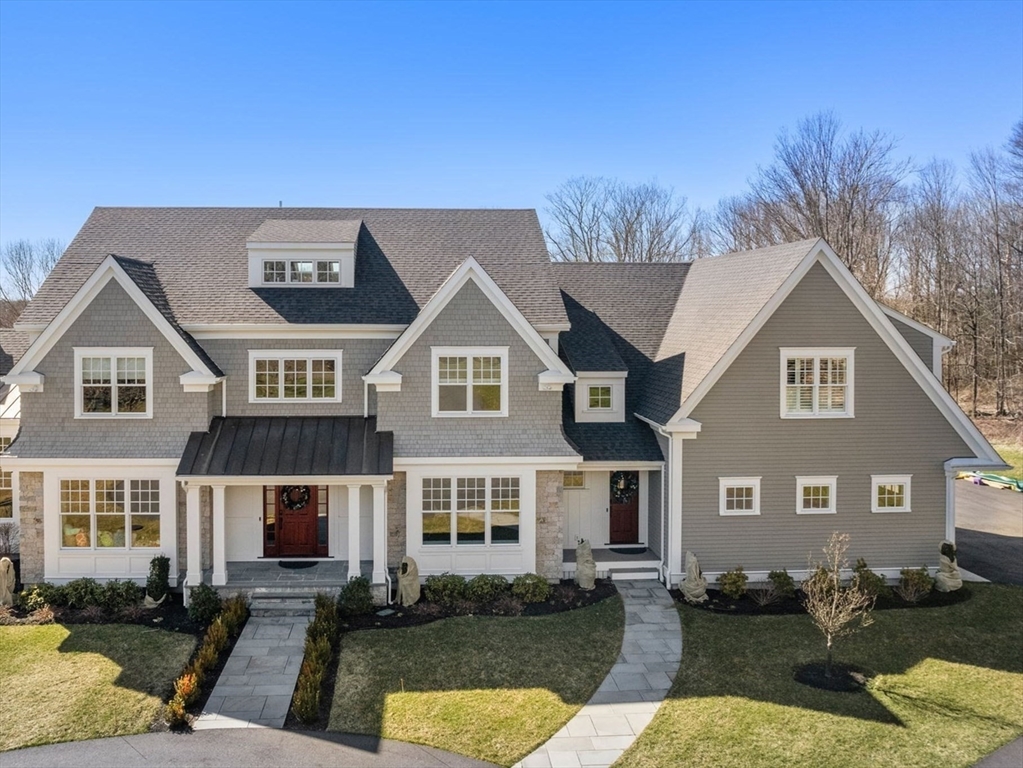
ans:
x=282 y=608
x=633 y=574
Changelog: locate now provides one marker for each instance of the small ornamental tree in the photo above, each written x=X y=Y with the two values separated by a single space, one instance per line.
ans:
x=834 y=607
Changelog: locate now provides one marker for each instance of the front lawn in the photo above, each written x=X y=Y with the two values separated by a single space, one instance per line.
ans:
x=488 y=687
x=1011 y=454
x=948 y=690
x=84 y=681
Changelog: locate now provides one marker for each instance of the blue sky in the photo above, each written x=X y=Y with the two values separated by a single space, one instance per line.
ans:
x=466 y=105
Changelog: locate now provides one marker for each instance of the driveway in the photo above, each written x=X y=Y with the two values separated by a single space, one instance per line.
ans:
x=989 y=532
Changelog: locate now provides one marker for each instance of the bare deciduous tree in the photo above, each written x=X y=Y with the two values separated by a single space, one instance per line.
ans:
x=23 y=267
x=833 y=607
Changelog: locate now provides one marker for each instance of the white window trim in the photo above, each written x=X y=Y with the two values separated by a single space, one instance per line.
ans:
x=94 y=548
x=314 y=283
x=576 y=487
x=468 y=352
x=847 y=352
x=294 y=354
x=586 y=403
x=877 y=480
x=735 y=482
x=453 y=512
x=829 y=480
x=113 y=352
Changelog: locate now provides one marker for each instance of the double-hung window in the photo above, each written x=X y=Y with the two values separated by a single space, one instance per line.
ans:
x=889 y=493
x=6 y=487
x=816 y=383
x=308 y=376
x=471 y=510
x=110 y=514
x=816 y=495
x=113 y=382
x=470 y=382
x=738 y=496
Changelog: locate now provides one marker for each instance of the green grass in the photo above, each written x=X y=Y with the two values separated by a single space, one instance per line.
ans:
x=948 y=690
x=67 y=683
x=1011 y=454
x=488 y=687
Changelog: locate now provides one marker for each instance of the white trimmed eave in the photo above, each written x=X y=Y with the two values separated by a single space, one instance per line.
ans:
x=685 y=428
x=553 y=379
x=602 y=374
x=196 y=381
x=873 y=313
x=260 y=480
x=29 y=380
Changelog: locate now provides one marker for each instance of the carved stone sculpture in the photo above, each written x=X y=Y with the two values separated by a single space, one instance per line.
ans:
x=408 y=582
x=948 y=578
x=693 y=586
x=585 y=565
x=6 y=581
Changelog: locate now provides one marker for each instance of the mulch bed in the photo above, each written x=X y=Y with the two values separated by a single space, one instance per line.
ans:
x=746 y=606
x=170 y=615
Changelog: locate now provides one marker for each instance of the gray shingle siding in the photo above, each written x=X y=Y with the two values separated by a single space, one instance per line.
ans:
x=358 y=356
x=896 y=430
x=533 y=424
x=49 y=428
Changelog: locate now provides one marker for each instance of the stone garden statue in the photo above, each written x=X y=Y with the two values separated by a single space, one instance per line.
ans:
x=408 y=582
x=585 y=565
x=693 y=586
x=948 y=578
x=6 y=581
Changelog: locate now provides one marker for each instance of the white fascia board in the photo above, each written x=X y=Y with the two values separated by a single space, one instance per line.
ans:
x=539 y=462
x=553 y=327
x=554 y=381
x=195 y=381
x=29 y=381
x=337 y=246
x=385 y=381
x=960 y=465
x=616 y=465
x=602 y=374
x=470 y=269
x=684 y=428
x=225 y=480
x=30 y=464
x=200 y=331
x=105 y=272
x=917 y=325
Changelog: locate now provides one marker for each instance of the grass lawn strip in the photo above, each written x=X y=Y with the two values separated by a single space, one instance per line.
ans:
x=83 y=681
x=949 y=690
x=487 y=687
x=1011 y=454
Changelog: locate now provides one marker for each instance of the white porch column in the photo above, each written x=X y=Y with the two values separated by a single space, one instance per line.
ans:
x=354 y=511
x=379 y=534
x=219 y=542
x=193 y=576
x=950 y=505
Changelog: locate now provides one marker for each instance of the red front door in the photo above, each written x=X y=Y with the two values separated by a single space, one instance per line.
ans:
x=297 y=520
x=624 y=506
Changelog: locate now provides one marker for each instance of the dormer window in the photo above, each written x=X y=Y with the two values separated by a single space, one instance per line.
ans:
x=600 y=396
x=303 y=253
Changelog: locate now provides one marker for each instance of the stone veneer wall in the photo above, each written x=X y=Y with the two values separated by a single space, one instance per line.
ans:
x=182 y=533
x=31 y=524
x=550 y=524
x=206 y=526
x=396 y=520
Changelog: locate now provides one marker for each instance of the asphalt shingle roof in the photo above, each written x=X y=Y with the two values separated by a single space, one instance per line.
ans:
x=12 y=346
x=289 y=231
x=403 y=257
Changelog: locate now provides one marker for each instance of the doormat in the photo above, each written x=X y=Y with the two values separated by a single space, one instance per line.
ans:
x=295 y=565
x=628 y=550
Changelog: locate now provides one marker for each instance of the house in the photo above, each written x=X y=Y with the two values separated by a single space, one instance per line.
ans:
x=239 y=387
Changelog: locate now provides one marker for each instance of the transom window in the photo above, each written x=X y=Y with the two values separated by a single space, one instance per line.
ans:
x=817 y=383
x=890 y=493
x=574 y=480
x=113 y=383
x=600 y=398
x=110 y=514
x=470 y=382
x=295 y=376
x=301 y=271
x=479 y=511
x=816 y=495
x=738 y=496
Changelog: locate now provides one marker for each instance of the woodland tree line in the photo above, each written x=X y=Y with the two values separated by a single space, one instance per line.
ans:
x=941 y=244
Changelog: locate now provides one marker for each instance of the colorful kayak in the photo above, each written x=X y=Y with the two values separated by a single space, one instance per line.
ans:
x=995 y=481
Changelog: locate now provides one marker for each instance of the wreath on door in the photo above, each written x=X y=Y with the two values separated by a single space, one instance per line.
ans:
x=624 y=486
x=295 y=497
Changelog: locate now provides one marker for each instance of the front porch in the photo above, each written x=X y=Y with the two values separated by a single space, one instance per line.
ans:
x=618 y=562
x=271 y=576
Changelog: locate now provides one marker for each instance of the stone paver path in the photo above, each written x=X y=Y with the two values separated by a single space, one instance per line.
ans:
x=255 y=688
x=632 y=692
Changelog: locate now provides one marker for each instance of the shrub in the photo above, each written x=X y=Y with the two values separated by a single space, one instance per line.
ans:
x=733 y=583
x=176 y=712
x=91 y=614
x=530 y=588
x=196 y=671
x=206 y=659
x=186 y=688
x=204 y=604
x=216 y=636
x=764 y=595
x=41 y=594
x=134 y=612
x=783 y=584
x=306 y=701
x=486 y=588
x=317 y=651
x=81 y=593
x=118 y=595
x=326 y=623
x=506 y=605
x=914 y=584
x=873 y=584
x=234 y=613
x=446 y=589
x=355 y=598
x=158 y=583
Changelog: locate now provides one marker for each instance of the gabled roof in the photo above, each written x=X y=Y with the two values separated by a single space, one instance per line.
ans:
x=587 y=347
x=13 y=346
x=291 y=231
x=403 y=256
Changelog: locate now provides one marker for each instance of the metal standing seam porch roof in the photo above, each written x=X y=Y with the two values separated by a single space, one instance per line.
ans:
x=276 y=446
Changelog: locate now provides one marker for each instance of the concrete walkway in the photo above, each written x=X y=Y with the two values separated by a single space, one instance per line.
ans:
x=632 y=692
x=255 y=688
